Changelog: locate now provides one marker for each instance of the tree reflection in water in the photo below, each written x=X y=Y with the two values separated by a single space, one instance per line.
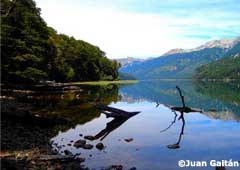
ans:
x=120 y=117
x=182 y=110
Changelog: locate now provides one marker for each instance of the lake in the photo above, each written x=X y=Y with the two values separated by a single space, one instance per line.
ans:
x=210 y=135
x=157 y=137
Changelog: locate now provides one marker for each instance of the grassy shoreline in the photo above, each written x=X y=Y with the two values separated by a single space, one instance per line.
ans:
x=103 y=83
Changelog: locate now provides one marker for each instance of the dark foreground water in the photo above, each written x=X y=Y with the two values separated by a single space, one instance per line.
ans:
x=211 y=135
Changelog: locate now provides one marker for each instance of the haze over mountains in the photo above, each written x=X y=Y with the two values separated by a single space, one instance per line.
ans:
x=180 y=63
x=129 y=60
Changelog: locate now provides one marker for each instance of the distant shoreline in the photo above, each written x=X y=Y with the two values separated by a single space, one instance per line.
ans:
x=103 y=82
x=57 y=86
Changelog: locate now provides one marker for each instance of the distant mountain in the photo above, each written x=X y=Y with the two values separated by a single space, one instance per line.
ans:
x=128 y=60
x=224 y=43
x=179 y=63
x=225 y=68
x=174 y=51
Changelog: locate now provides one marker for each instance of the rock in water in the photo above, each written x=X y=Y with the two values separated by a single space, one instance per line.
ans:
x=87 y=146
x=133 y=168
x=129 y=140
x=81 y=159
x=100 y=146
x=89 y=137
x=79 y=143
x=115 y=167
x=67 y=152
x=174 y=146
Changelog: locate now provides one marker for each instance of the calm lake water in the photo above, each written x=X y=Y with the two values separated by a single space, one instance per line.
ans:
x=210 y=135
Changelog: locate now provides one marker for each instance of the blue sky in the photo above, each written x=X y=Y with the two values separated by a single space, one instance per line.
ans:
x=143 y=28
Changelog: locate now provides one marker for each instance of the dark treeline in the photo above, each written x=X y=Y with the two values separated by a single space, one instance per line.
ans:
x=31 y=51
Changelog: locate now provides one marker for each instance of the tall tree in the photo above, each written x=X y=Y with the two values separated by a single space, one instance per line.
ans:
x=31 y=51
x=24 y=41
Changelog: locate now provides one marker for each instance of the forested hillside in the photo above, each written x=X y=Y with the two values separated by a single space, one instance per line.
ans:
x=183 y=64
x=225 y=68
x=31 y=51
x=222 y=69
x=179 y=65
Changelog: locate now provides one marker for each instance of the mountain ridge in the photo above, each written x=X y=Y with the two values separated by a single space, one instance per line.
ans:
x=183 y=64
x=227 y=67
x=222 y=43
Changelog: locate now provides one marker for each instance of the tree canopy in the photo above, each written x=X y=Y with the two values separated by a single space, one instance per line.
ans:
x=32 y=51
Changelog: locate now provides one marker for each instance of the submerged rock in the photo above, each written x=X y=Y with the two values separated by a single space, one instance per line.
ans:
x=81 y=159
x=129 y=140
x=174 y=146
x=115 y=167
x=67 y=152
x=100 y=146
x=79 y=143
x=77 y=154
x=133 y=168
x=89 y=137
x=87 y=146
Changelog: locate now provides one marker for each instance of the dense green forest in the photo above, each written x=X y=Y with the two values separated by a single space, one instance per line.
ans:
x=32 y=51
x=226 y=68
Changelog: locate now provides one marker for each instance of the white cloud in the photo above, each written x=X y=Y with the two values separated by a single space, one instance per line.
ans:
x=119 y=33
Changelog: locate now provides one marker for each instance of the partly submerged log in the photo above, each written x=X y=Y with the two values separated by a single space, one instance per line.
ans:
x=114 y=112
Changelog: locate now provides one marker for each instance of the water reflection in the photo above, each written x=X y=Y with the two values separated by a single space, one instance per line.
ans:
x=204 y=138
x=41 y=115
x=177 y=144
x=119 y=117
x=217 y=100
x=182 y=110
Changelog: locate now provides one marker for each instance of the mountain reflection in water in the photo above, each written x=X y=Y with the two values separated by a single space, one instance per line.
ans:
x=160 y=135
x=217 y=100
